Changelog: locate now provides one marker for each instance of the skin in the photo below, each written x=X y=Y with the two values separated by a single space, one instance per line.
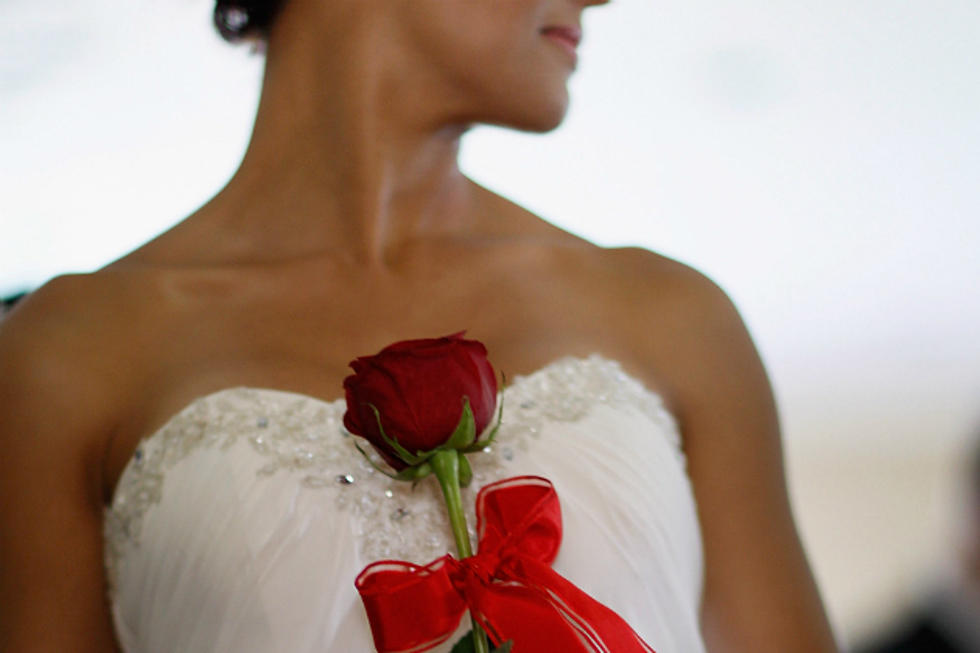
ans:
x=349 y=226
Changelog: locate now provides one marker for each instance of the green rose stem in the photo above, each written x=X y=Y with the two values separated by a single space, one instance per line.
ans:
x=445 y=465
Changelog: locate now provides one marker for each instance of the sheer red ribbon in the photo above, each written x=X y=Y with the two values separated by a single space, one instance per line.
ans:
x=509 y=586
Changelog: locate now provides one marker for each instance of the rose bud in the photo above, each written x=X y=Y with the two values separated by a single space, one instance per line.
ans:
x=416 y=390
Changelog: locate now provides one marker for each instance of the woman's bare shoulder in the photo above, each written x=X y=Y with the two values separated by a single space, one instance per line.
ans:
x=650 y=292
x=48 y=324
x=69 y=346
x=57 y=357
x=654 y=274
x=71 y=309
x=663 y=319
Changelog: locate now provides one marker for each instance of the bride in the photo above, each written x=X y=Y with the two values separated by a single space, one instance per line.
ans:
x=349 y=226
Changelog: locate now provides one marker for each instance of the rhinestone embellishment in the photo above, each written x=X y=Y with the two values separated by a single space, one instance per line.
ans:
x=400 y=514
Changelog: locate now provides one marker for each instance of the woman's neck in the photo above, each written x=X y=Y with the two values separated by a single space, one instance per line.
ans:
x=357 y=156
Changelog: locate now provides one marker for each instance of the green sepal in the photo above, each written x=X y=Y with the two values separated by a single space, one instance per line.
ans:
x=465 y=471
x=465 y=432
x=407 y=457
x=374 y=464
x=480 y=445
x=414 y=474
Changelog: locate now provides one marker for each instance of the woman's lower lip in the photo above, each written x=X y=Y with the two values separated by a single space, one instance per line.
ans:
x=565 y=45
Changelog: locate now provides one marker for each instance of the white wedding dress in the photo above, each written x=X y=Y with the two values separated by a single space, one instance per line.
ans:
x=241 y=524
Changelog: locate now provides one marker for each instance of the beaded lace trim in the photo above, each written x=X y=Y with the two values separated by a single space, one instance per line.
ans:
x=305 y=436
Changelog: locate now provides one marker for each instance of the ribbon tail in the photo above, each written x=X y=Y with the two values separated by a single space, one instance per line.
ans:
x=588 y=614
x=542 y=612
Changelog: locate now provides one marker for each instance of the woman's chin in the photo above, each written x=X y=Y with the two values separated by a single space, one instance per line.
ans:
x=544 y=124
x=540 y=115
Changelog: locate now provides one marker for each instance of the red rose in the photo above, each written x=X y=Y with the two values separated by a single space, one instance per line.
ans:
x=418 y=387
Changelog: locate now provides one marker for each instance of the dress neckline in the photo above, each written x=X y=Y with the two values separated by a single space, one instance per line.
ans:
x=515 y=382
x=338 y=404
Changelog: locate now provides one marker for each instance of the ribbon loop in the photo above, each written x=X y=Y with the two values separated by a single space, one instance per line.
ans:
x=509 y=586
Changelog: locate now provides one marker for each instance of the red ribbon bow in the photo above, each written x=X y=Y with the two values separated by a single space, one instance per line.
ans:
x=509 y=586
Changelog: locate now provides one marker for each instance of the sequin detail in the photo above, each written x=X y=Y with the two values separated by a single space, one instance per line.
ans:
x=304 y=436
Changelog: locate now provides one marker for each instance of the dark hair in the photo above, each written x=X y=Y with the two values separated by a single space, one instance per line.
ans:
x=240 y=19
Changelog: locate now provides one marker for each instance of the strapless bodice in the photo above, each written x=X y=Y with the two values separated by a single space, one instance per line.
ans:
x=241 y=524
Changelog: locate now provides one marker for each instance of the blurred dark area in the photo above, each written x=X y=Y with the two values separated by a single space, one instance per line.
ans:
x=8 y=303
x=929 y=630
x=948 y=619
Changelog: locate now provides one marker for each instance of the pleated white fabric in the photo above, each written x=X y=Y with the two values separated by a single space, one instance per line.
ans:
x=241 y=524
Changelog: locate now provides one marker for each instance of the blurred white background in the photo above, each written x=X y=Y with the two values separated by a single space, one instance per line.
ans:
x=820 y=161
